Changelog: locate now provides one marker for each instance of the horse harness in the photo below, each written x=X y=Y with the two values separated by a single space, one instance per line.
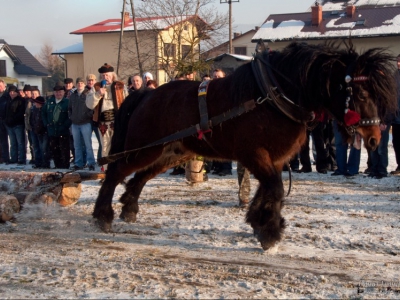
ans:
x=272 y=93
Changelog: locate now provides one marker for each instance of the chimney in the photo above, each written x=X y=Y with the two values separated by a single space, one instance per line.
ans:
x=316 y=14
x=236 y=34
x=257 y=27
x=126 y=18
x=350 y=11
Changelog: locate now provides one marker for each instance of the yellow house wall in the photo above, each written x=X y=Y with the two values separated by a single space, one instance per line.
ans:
x=75 y=67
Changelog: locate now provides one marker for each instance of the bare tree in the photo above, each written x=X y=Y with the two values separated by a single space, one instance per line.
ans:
x=193 y=26
x=53 y=64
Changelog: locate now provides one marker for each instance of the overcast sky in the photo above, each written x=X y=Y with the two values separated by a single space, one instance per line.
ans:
x=32 y=23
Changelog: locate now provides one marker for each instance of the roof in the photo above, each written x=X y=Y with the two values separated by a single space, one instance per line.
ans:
x=73 y=49
x=114 y=25
x=339 y=5
x=366 y=22
x=24 y=62
x=235 y=56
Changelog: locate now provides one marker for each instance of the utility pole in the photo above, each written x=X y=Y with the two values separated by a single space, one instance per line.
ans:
x=121 y=33
x=230 y=21
x=136 y=37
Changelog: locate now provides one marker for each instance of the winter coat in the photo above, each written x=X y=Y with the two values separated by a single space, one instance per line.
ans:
x=78 y=112
x=28 y=110
x=36 y=122
x=3 y=105
x=396 y=119
x=55 y=117
x=15 y=111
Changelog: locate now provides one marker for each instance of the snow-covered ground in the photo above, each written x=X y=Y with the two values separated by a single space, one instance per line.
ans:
x=190 y=241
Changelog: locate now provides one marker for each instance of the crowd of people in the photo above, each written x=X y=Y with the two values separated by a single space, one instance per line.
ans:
x=60 y=128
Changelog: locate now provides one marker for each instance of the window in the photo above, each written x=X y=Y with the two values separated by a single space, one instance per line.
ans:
x=360 y=22
x=240 y=50
x=3 y=72
x=185 y=51
x=170 y=50
x=185 y=27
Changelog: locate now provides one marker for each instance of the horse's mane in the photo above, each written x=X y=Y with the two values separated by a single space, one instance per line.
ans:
x=379 y=66
x=310 y=74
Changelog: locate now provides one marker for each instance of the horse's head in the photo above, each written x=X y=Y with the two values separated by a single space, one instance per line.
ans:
x=367 y=94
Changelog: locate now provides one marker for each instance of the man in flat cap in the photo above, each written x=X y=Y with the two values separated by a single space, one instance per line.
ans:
x=55 y=118
x=106 y=99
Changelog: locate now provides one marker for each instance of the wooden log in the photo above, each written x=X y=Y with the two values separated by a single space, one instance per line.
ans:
x=71 y=191
x=9 y=205
x=82 y=176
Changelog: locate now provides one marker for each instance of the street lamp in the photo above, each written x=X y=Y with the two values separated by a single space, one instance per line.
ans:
x=230 y=21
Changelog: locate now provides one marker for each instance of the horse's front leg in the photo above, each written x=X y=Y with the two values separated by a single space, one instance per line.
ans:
x=103 y=210
x=264 y=214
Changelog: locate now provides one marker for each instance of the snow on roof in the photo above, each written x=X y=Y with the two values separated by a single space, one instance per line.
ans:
x=339 y=5
x=366 y=23
x=236 y=56
x=113 y=25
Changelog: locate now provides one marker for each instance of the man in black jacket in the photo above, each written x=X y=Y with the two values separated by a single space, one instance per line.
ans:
x=5 y=153
x=15 y=123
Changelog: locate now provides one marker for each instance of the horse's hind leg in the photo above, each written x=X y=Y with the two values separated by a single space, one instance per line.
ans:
x=130 y=198
x=264 y=214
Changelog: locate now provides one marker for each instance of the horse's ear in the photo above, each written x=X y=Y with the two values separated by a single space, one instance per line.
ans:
x=260 y=47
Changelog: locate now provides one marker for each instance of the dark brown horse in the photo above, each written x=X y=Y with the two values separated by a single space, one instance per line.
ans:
x=259 y=116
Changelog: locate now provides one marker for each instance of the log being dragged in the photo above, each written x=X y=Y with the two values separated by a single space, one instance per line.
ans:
x=9 y=205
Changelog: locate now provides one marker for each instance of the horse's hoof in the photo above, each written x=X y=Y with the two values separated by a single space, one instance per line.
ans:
x=128 y=217
x=244 y=203
x=103 y=225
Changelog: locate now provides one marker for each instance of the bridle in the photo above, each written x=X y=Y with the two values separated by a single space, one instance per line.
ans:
x=272 y=92
x=352 y=119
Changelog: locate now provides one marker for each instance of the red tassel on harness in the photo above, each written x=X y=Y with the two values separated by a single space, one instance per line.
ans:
x=201 y=133
x=351 y=117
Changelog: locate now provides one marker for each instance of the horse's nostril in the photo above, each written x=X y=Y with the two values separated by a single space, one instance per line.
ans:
x=373 y=143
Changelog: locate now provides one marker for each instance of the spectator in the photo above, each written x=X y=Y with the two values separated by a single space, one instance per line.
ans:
x=137 y=83
x=221 y=168
x=69 y=87
x=4 y=146
x=81 y=117
x=90 y=81
x=146 y=77
x=152 y=84
x=15 y=124
x=39 y=136
x=346 y=167
x=55 y=119
x=28 y=106
x=205 y=77
x=396 y=122
x=379 y=157
x=111 y=94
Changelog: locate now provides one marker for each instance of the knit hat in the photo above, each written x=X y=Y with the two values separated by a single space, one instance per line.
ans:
x=80 y=79
x=147 y=74
x=12 y=88
x=27 y=88
x=106 y=68
x=91 y=76
x=39 y=100
x=59 y=86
